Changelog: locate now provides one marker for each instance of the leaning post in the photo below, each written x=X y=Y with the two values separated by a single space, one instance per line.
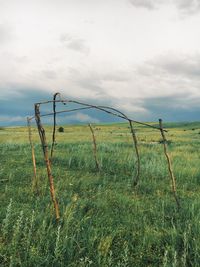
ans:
x=173 y=180
x=35 y=181
x=42 y=135
x=135 y=142
x=94 y=147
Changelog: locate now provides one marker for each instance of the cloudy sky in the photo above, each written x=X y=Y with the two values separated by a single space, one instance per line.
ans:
x=141 y=56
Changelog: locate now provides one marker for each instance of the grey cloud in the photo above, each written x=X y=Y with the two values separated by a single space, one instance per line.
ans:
x=95 y=81
x=158 y=80
x=21 y=104
x=180 y=106
x=74 y=43
x=87 y=80
x=170 y=83
x=188 y=6
x=174 y=101
x=172 y=68
x=17 y=107
x=100 y=82
x=183 y=65
x=176 y=107
x=21 y=59
x=49 y=74
x=89 y=21
x=117 y=76
x=184 y=6
x=148 y=4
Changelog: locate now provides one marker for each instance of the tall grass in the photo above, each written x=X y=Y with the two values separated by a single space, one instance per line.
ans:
x=104 y=221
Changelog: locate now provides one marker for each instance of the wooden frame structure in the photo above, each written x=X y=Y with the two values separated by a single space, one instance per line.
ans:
x=48 y=157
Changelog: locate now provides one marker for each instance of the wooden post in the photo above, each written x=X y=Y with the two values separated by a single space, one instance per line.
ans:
x=46 y=158
x=54 y=125
x=94 y=147
x=137 y=153
x=35 y=180
x=173 y=180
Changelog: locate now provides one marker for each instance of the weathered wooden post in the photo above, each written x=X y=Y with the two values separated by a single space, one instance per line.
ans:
x=173 y=180
x=137 y=152
x=35 y=181
x=42 y=135
x=54 y=124
x=94 y=147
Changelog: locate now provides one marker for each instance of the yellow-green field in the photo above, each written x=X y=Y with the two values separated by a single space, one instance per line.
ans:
x=105 y=221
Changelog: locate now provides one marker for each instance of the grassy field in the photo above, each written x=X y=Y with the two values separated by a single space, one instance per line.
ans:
x=105 y=221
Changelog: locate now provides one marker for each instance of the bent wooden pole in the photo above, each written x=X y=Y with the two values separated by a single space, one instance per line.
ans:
x=137 y=153
x=42 y=135
x=173 y=180
x=94 y=147
x=35 y=181
x=54 y=125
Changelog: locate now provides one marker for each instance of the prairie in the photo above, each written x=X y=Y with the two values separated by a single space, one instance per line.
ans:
x=105 y=221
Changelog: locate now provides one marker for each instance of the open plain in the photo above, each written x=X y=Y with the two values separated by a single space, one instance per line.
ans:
x=105 y=220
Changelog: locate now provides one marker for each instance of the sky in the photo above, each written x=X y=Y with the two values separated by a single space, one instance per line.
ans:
x=140 y=56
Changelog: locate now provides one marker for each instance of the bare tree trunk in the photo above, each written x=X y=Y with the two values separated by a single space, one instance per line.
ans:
x=47 y=161
x=173 y=180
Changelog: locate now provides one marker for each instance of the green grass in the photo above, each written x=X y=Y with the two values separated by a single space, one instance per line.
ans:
x=104 y=220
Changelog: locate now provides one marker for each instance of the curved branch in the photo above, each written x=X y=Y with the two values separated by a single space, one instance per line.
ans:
x=123 y=116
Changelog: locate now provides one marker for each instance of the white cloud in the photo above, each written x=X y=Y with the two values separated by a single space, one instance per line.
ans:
x=100 y=51
x=6 y=33
x=172 y=77
x=12 y=119
x=74 y=43
x=80 y=117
